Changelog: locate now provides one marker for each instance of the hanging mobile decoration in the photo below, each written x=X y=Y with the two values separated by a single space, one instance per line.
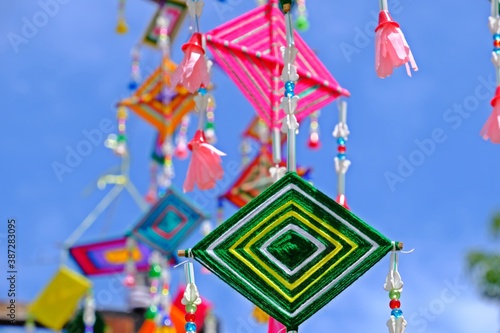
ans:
x=391 y=48
x=313 y=141
x=121 y=27
x=302 y=23
x=394 y=285
x=341 y=133
x=491 y=129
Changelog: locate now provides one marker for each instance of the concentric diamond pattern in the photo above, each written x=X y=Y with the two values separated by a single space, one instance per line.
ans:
x=169 y=222
x=291 y=250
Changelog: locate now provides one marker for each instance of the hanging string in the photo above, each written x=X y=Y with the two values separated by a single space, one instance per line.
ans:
x=181 y=149
x=289 y=76
x=341 y=133
x=135 y=70
x=121 y=27
x=491 y=129
x=89 y=313
x=191 y=298
x=210 y=125
x=302 y=23
x=394 y=285
x=130 y=268
x=314 y=142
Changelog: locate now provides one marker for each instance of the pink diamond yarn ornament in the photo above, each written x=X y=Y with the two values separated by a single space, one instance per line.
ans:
x=192 y=73
x=491 y=129
x=391 y=48
x=275 y=326
x=205 y=166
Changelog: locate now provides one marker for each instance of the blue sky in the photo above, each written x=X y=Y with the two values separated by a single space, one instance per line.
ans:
x=66 y=76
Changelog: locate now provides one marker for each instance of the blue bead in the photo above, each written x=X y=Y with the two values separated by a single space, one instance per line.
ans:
x=496 y=36
x=190 y=327
x=397 y=313
x=289 y=93
x=289 y=85
x=341 y=141
x=133 y=85
x=341 y=156
x=202 y=91
x=497 y=51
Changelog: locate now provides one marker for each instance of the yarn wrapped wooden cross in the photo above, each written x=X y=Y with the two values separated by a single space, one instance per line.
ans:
x=291 y=250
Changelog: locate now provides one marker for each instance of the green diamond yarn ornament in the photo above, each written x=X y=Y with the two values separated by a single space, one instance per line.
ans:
x=291 y=250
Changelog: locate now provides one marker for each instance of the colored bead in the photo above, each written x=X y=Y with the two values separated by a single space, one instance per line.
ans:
x=394 y=294
x=202 y=91
x=289 y=94
x=394 y=304
x=190 y=327
x=497 y=51
x=341 y=149
x=341 y=156
x=496 y=43
x=191 y=308
x=397 y=313
x=133 y=85
x=341 y=141
x=151 y=312
x=155 y=271
x=302 y=24
x=289 y=85
x=190 y=317
x=496 y=36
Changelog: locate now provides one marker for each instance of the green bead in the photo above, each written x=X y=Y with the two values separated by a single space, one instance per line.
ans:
x=209 y=126
x=121 y=138
x=151 y=312
x=394 y=294
x=155 y=271
x=191 y=308
x=302 y=24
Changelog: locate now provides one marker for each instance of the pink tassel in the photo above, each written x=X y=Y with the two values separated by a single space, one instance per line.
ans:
x=205 y=166
x=192 y=72
x=275 y=326
x=391 y=48
x=491 y=129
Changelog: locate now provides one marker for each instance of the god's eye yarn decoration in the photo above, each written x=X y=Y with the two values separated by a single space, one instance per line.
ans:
x=169 y=222
x=291 y=250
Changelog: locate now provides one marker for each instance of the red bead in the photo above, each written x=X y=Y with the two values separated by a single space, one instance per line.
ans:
x=190 y=317
x=394 y=304
x=496 y=43
x=314 y=143
x=341 y=149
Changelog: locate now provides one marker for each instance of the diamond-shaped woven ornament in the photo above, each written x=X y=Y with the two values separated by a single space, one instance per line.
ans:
x=291 y=250
x=169 y=222
x=255 y=179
